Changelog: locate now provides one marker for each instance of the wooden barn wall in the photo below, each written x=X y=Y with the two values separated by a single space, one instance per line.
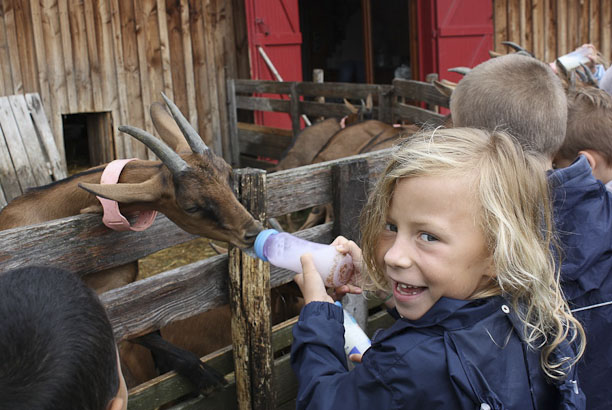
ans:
x=117 y=56
x=551 y=28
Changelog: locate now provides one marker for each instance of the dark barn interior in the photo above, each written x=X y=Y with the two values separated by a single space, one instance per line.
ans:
x=332 y=39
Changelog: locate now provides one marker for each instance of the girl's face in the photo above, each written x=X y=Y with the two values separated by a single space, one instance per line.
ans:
x=431 y=245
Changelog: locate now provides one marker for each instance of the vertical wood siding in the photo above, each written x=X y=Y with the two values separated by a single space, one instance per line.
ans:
x=551 y=28
x=118 y=56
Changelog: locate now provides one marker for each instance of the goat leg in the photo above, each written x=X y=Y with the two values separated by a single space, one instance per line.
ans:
x=170 y=357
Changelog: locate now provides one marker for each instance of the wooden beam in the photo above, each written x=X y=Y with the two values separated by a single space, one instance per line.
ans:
x=250 y=306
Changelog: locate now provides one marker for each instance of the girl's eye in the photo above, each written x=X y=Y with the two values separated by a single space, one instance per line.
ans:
x=427 y=237
x=390 y=227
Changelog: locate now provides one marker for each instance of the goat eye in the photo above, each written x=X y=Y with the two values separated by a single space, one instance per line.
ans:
x=192 y=210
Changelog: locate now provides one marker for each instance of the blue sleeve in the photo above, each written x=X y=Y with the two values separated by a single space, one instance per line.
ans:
x=320 y=364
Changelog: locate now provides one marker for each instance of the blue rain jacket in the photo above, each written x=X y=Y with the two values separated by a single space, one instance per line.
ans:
x=460 y=355
x=583 y=219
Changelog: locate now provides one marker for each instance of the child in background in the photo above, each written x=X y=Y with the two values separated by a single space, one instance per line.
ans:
x=454 y=229
x=57 y=350
x=589 y=132
x=522 y=95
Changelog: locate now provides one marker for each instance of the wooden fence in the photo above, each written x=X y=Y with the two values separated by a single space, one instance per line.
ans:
x=259 y=377
x=83 y=245
x=400 y=101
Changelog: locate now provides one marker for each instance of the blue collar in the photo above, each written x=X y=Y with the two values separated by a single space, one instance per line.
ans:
x=452 y=314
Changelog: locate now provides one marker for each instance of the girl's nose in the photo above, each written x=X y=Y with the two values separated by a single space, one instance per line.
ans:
x=398 y=255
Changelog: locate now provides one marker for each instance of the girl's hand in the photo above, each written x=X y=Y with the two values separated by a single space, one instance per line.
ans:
x=344 y=246
x=310 y=282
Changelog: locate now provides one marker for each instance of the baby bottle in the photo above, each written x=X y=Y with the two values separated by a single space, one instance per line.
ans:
x=355 y=339
x=284 y=250
x=573 y=59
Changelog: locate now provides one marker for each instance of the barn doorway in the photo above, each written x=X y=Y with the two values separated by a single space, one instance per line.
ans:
x=333 y=39
x=88 y=140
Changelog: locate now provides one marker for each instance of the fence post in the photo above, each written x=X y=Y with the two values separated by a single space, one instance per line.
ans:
x=350 y=192
x=250 y=305
x=294 y=108
x=233 y=156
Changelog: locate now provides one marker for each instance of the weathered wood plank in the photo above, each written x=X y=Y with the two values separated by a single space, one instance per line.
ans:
x=308 y=186
x=418 y=91
x=8 y=177
x=94 y=57
x=218 y=12
x=137 y=111
x=249 y=291
x=56 y=72
x=124 y=142
x=192 y=109
x=200 y=70
x=43 y=78
x=82 y=244
x=57 y=164
x=164 y=49
x=417 y=115
x=15 y=146
x=6 y=79
x=65 y=36
x=36 y=158
x=80 y=60
x=11 y=39
x=142 y=9
x=209 y=29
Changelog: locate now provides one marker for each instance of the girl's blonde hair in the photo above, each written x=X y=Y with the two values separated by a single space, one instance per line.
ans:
x=516 y=219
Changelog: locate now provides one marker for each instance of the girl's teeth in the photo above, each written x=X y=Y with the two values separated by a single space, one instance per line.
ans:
x=402 y=289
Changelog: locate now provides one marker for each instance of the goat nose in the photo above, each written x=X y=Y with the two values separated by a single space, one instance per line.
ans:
x=252 y=231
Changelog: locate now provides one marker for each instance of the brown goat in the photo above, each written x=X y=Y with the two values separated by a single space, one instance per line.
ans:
x=326 y=141
x=190 y=185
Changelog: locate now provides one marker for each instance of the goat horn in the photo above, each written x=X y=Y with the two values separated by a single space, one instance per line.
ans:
x=193 y=139
x=517 y=48
x=171 y=159
x=460 y=70
x=583 y=76
x=589 y=75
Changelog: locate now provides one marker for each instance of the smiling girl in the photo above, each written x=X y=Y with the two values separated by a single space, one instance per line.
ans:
x=458 y=230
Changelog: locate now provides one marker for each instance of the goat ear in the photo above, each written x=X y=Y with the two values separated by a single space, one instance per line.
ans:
x=167 y=128
x=350 y=106
x=147 y=191
x=369 y=104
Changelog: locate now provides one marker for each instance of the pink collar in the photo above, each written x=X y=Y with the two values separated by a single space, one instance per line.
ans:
x=112 y=217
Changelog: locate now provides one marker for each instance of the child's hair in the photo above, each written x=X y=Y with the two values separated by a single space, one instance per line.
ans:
x=518 y=94
x=57 y=349
x=516 y=220
x=589 y=124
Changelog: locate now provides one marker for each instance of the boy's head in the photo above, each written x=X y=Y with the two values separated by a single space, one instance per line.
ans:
x=517 y=94
x=57 y=349
x=589 y=131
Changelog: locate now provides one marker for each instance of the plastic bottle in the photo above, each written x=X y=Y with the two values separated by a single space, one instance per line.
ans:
x=573 y=59
x=355 y=339
x=284 y=250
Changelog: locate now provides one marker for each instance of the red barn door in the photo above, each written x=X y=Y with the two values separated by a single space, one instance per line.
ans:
x=453 y=33
x=274 y=25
